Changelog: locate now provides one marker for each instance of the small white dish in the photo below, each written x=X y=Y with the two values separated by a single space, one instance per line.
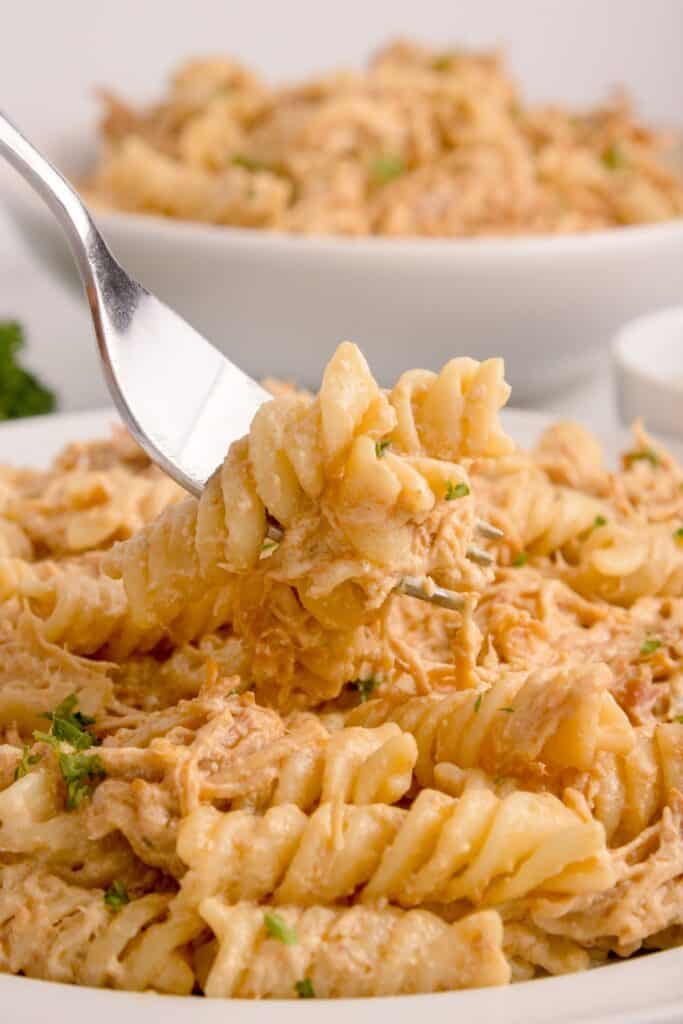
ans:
x=279 y=304
x=645 y=990
x=648 y=361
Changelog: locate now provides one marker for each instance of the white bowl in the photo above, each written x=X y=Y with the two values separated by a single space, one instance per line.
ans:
x=648 y=362
x=279 y=304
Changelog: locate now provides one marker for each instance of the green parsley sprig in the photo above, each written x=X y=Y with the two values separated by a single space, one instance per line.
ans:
x=380 y=448
x=304 y=989
x=644 y=455
x=365 y=687
x=80 y=772
x=21 y=394
x=277 y=928
x=385 y=168
x=519 y=560
x=116 y=896
x=453 y=491
x=69 y=726
x=614 y=157
x=650 y=646
x=28 y=760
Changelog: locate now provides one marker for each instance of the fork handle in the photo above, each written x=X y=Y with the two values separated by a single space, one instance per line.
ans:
x=54 y=189
x=110 y=291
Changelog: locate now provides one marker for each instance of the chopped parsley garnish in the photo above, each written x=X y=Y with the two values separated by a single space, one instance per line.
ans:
x=678 y=534
x=443 y=61
x=21 y=394
x=508 y=710
x=68 y=726
x=477 y=703
x=679 y=719
x=304 y=989
x=269 y=545
x=81 y=773
x=381 y=447
x=116 y=896
x=249 y=163
x=456 y=490
x=599 y=521
x=365 y=687
x=614 y=157
x=520 y=559
x=28 y=760
x=650 y=646
x=385 y=168
x=277 y=928
x=647 y=454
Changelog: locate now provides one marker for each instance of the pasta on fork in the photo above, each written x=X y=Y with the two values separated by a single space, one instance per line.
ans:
x=237 y=758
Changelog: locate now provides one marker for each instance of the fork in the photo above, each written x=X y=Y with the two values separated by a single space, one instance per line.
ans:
x=181 y=399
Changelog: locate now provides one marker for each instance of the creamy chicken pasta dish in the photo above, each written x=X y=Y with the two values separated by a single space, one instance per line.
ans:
x=424 y=142
x=235 y=759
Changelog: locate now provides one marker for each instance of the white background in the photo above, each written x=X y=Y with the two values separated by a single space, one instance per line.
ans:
x=55 y=52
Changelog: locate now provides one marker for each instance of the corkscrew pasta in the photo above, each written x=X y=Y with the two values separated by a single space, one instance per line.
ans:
x=236 y=759
x=424 y=141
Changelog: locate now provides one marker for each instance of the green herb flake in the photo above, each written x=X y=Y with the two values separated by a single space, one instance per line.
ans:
x=507 y=710
x=381 y=447
x=28 y=760
x=679 y=719
x=456 y=490
x=650 y=646
x=443 y=61
x=599 y=521
x=277 y=928
x=69 y=726
x=646 y=455
x=249 y=163
x=520 y=559
x=365 y=687
x=304 y=989
x=477 y=703
x=116 y=896
x=614 y=157
x=81 y=773
x=385 y=168
x=21 y=394
x=678 y=534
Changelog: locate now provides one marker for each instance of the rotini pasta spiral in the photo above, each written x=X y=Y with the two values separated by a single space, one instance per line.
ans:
x=536 y=516
x=627 y=792
x=478 y=847
x=360 y=951
x=531 y=726
x=316 y=466
x=33 y=824
x=452 y=414
x=621 y=562
x=49 y=929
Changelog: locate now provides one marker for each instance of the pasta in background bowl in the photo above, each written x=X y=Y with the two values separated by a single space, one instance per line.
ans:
x=252 y=770
x=418 y=200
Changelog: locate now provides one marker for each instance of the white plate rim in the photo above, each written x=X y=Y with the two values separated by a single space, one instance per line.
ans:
x=645 y=990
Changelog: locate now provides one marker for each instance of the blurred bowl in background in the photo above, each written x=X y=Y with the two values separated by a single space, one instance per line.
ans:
x=278 y=304
x=648 y=363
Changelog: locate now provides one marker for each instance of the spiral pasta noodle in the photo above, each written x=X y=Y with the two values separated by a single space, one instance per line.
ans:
x=394 y=952
x=478 y=847
x=244 y=762
x=626 y=793
x=544 y=723
x=66 y=933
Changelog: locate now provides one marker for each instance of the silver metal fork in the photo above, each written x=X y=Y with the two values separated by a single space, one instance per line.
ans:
x=181 y=399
